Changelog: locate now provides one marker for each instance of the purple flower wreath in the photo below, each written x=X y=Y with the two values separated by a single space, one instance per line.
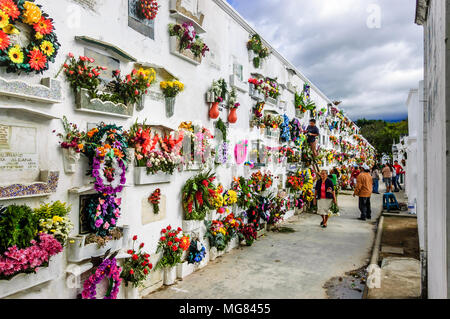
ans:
x=116 y=183
x=107 y=269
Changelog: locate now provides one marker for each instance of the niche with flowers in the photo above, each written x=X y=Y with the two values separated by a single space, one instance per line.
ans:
x=141 y=16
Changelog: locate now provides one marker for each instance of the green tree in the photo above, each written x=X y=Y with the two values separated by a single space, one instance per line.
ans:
x=381 y=134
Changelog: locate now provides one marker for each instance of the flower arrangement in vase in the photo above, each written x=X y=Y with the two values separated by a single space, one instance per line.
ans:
x=82 y=74
x=136 y=268
x=148 y=9
x=170 y=90
x=197 y=196
x=172 y=244
x=217 y=94
x=154 y=199
x=156 y=153
x=260 y=52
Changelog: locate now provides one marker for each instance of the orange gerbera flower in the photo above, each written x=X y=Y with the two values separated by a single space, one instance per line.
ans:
x=44 y=26
x=38 y=60
x=4 y=40
x=10 y=8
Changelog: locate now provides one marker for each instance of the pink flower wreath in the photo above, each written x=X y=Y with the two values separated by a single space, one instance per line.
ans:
x=109 y=269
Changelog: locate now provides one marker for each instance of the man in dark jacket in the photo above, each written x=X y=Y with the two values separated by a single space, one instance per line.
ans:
x=312 y=132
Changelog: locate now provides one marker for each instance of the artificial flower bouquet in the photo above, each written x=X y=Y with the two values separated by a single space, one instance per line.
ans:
x=83 y=74
x=54 y=220
x=136 y=268
x=198 y=195
x=232 y=100
x=219 y=91
x=255 y=44
x=261 y=182
x=72 y=137
x=148 y=9
x=217 y=234
x=25 y=246
x=154 y=199
x=171 y=88
x=248 y=233
x=197 y=252
x=172 y=244
x=189 y=40
x=272 y=121
x=245 y=192
x=157 y=154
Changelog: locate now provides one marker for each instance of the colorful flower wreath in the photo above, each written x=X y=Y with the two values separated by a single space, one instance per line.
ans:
x=107 y=269
x=148 y=9
x=43 y=46
x=102 y=213
x=105 y=149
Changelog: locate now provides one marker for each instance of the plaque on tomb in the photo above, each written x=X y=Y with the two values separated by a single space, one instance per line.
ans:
x=18 y=150
x=138 y=22
x=110 y=63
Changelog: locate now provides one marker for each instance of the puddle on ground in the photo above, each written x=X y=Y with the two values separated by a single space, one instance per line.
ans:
x=350 y=286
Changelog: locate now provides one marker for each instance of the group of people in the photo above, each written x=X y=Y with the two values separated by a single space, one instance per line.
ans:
x=366 y=183
x=363 y=179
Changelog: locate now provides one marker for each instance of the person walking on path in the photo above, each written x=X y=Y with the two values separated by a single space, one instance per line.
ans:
x=387 y=177
x=398 y=172
x=394 y=178
x=312 y=132
x=376 y=179
x=363 y=190
x=324 y=196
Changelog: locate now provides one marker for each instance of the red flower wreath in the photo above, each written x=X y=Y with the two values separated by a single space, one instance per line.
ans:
x=148 y=8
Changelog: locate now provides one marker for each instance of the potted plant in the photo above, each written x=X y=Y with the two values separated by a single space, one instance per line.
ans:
x=170 y=90
x=135 y=270
x=172 y=244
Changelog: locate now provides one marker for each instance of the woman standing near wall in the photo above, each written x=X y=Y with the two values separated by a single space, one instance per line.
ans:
x=375 y=178
x=324 y=196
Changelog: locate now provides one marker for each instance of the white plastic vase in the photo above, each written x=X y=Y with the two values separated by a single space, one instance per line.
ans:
x=170 y=275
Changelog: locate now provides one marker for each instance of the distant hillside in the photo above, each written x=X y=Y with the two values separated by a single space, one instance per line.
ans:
x=381 y=134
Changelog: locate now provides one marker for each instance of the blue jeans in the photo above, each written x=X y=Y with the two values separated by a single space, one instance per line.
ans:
x=375 y=186
x=397 y=182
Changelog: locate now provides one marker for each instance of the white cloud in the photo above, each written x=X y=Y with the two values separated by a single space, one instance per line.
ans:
x=371 y=70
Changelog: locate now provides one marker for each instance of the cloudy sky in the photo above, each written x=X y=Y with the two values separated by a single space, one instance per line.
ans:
x=369 y=61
